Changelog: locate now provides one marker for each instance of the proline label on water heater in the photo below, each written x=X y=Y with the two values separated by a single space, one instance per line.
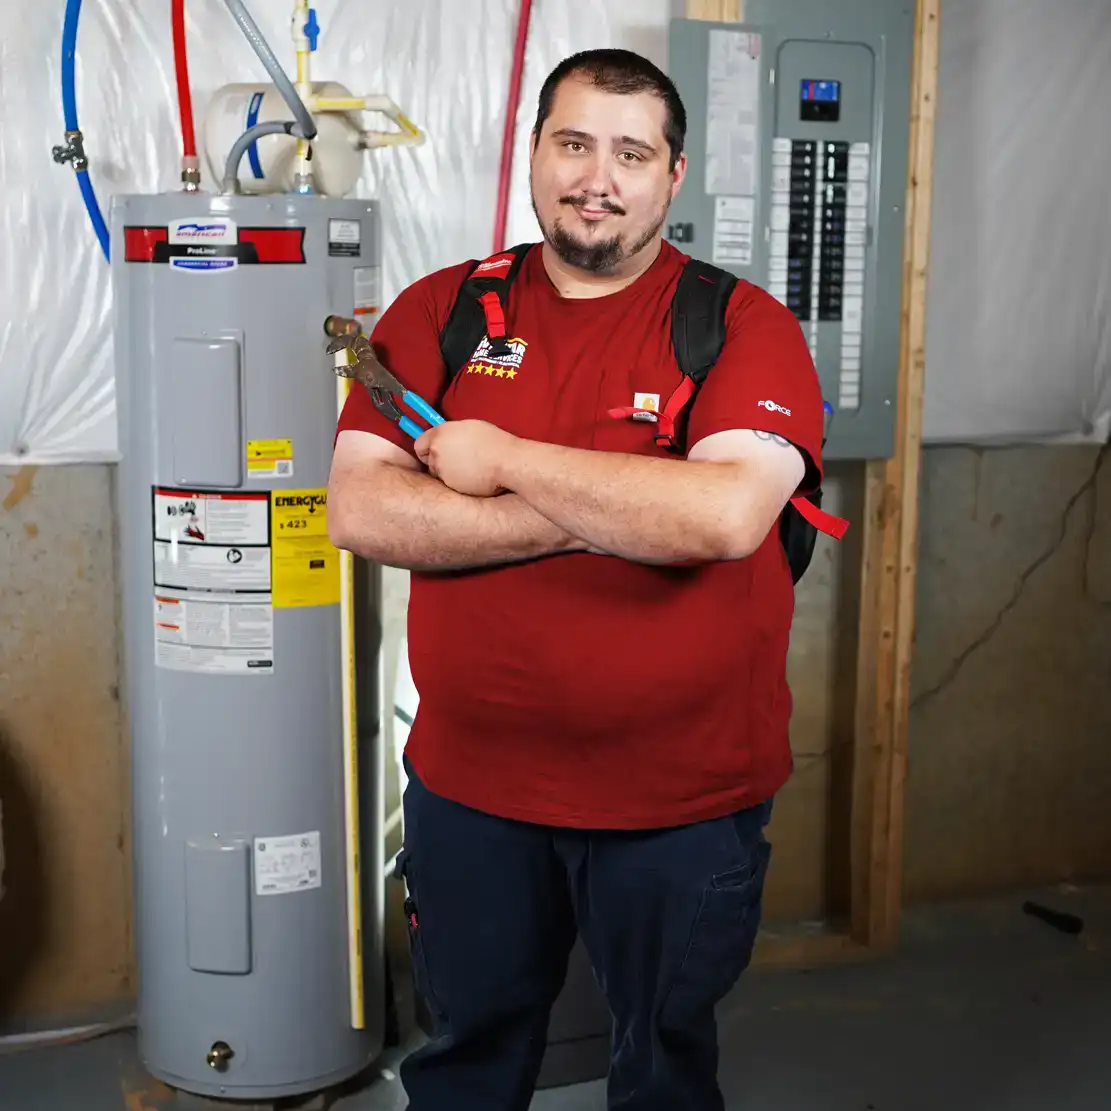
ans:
x=213 y=607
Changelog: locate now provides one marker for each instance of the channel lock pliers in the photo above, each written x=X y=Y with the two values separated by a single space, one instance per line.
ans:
x=354 y=358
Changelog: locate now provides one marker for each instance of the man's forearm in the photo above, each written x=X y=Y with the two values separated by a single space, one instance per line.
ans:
x=648 y=510
x=403 y=518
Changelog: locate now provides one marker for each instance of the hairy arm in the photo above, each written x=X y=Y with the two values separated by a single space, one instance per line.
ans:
x=383 y=508
x=718 y=504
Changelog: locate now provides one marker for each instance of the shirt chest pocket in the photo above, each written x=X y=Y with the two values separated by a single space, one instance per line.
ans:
x=635 y=391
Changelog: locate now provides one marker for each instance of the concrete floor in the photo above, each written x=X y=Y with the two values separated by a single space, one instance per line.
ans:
x=983 y=1008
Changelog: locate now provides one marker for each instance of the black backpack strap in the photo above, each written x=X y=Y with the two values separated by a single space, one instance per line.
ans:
x=698 y=317
x=698 y=309
x=479 y=309
x=698 y=330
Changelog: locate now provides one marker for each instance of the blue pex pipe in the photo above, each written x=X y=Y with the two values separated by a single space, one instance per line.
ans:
x=69 y=52
x=93 y=209
x=69 y=110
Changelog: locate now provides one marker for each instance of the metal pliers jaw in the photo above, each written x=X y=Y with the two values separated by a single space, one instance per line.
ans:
x=354 y=357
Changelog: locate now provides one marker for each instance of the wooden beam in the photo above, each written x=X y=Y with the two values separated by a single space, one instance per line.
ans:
x=718 y=11
x=889 y=568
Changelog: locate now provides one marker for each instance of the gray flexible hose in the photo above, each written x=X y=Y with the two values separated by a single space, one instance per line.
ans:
x=239 y=148
x=273 y=67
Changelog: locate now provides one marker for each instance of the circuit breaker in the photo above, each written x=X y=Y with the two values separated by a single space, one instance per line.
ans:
x=797 y=136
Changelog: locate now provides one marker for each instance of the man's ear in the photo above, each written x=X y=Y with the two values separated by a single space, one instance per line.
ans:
x=678 y=174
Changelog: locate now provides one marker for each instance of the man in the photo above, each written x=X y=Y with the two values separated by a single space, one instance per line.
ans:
x=597 y=628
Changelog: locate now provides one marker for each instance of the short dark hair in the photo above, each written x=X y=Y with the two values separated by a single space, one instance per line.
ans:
x=619 y=71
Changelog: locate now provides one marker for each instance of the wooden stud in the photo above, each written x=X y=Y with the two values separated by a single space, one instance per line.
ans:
x=886 y=630
x=718 y=11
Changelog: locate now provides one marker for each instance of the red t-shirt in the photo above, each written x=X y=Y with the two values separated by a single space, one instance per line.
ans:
x=586 y=690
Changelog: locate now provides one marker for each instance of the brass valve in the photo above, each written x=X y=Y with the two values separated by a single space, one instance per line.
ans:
x=336 y=326
x=219 y=1056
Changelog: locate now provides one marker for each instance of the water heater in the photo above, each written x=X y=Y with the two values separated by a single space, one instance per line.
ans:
x=259 y=933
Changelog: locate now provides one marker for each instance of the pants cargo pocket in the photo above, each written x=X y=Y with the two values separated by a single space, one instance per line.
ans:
x=721 y=941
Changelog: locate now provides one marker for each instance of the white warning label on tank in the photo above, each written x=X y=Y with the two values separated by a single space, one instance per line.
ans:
x=204 y=517
x=214 y=635
x=287 y=864
x=368 y=296
x=213 y=608
x=211 y=567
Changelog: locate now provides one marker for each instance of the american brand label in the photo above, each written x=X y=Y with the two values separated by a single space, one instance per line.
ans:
x=211 y=244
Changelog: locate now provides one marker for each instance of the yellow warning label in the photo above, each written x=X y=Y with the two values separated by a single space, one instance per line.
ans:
x=269 y=458
x=305 y=564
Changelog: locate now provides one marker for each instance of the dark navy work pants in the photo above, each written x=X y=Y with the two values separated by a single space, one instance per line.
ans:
x=668 y=917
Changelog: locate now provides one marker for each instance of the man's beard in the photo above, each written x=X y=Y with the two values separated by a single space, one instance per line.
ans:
x=599 y=257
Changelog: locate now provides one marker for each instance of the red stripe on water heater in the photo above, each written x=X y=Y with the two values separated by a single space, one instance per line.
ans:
x=139 y=243
x=276 y=244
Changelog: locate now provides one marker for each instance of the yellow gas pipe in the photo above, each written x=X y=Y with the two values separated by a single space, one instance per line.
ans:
x=303 y=48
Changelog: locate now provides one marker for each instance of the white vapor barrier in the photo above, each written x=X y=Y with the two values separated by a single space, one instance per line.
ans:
x=1017 y=336
x=445 y=62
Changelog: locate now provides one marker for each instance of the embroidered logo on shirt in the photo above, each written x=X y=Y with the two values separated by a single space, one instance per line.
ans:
x=497 y=366
x=772 y=407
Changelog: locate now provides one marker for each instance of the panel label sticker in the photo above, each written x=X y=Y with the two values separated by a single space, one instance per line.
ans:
x=212 y=577
x=345 y=238
x=306 y=566
x=733 y=234
x=733 y=113
x=287 y=864
x=269 y=458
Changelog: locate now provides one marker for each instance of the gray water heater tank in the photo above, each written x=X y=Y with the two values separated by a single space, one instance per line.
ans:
x=259 y=952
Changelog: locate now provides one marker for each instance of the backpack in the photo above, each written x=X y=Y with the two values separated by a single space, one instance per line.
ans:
x=697 y=335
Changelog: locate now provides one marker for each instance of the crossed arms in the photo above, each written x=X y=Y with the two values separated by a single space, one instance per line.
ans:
x=718 y=504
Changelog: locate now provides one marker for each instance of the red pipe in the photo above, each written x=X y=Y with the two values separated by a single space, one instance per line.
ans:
x=506 y=170
x=184 y=99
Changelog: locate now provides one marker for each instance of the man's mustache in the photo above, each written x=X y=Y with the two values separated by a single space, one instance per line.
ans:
x=605 y=205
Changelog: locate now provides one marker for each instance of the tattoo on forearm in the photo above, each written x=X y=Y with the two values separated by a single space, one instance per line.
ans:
x=761 y=435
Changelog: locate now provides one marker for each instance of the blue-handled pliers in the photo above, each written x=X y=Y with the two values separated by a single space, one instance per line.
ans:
x=355 y=358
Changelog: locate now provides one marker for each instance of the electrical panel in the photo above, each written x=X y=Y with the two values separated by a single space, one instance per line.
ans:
x=798 y=125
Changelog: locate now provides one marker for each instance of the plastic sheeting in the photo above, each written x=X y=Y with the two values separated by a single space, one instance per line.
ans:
x=1018 y=337
x=446 y=62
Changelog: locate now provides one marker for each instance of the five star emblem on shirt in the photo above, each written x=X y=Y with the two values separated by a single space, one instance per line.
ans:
x=491 y=370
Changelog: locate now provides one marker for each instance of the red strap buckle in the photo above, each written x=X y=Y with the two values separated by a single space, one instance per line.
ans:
x=495 y=318
x=495 y=323
x=665 y=434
